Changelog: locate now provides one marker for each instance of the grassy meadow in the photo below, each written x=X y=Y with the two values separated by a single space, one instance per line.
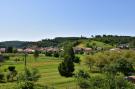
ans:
x=47 y=68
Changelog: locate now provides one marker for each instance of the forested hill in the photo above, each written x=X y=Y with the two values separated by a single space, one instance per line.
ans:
x=16 y=44
x=115 y=40
x=60 y=41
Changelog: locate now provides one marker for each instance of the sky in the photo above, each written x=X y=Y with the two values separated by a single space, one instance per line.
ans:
x=33 y=20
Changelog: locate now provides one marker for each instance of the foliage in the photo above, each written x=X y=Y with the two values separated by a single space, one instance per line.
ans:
x=113 y=39
x=25 y=85
x=9 y=50
x=107 y=59
x=82 y=74
x=12 y=73
x=26 y=80
x=6 y=57
x=83 y=79
x=89 y=61
x=36 y=54
x=124 y=66
x=66 y=68
x=56 y=54
x=1 y=77
x=59 y=41
x=84 y=84
x=69 y=52
x=107 y=82
x=48 y=53
x=77 y=59
x=11 y=68
x=29 y=75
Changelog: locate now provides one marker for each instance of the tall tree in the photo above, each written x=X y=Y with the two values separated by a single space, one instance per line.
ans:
x=9 y=50
x=66 y=68
x=36 y=54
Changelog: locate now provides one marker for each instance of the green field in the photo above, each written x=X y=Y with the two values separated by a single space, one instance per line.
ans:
x=48 y=69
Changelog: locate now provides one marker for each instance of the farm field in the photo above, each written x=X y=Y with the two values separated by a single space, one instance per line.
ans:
x=47 y=68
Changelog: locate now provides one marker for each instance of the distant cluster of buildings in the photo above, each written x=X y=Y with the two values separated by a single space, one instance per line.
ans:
x=77 y=50
x=32 y=50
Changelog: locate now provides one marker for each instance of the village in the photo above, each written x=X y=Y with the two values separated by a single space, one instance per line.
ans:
x=77 y=50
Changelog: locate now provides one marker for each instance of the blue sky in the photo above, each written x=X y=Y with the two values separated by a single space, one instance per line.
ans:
x=38 y=19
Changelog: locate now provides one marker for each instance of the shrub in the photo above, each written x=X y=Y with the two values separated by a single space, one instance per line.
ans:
x=36 y=54
x=124 y=66
x=56 y=54
x=109 y=81
x=66 y=68
x=6 y=57
x=12 y=73
x=11 y=68
x=76 y=60
x=2 y=58
x=84 y=84
x=1 y=77
x=48 y=53
x=29 y=75
x=89 y=61
x=82 y=74
x=25 y=85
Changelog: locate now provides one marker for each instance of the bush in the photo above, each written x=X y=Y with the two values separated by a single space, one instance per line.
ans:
x=82 y=74
x=25 y=85
x=11 y=68
x=107 y=82
x=12 y=73
x=124 y=66
x=36 y=54
x=29 y=75
x=6 y=57
x=84 y=84
x=56 y=54
x=48 y=54
x=89 y=61
x=76 y=60
x=1 y=77
x=66 y=68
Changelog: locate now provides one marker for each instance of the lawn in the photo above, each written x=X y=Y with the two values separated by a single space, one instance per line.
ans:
x=48 y=69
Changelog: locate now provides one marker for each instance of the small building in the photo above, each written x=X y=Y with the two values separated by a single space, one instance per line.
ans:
x=115 y=49
x=77 y=50
x=2 y=50
x=131 y=79
x=123 y=46
x=29 y=50
x=51 y=49
x=20 y=50
x=87 y=50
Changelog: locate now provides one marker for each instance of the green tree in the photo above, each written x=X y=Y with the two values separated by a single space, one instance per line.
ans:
x=12 y=73
x=9 y=50
x=66 y=68
x=77 y=59
x=48 y=53
x=124 y=66
x=56 y=54
x=89 y=61
x=69 y=52
x=36 y=54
